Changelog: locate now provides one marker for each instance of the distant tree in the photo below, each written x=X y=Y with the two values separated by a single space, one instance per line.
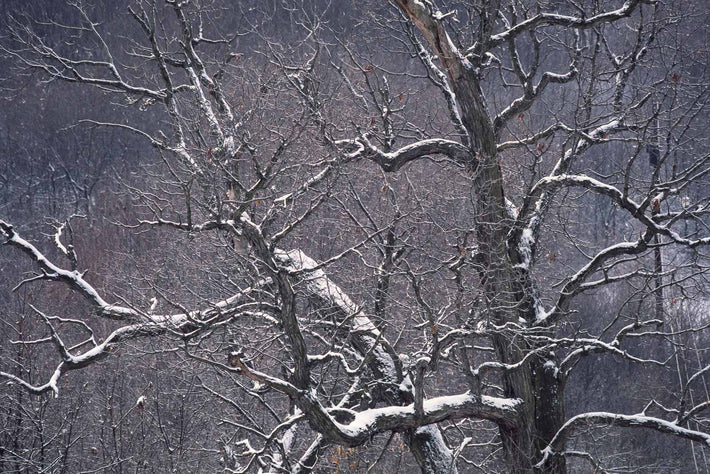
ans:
x=386 y=228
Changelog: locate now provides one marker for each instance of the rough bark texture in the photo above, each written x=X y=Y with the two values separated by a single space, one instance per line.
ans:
x=426 y=443
x=542 y=413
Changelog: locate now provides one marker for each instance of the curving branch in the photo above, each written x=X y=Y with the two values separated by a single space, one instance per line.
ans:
x=394 y=161
x=554 y=19
x=73 y=278
x=556 y=445
x=96 y=353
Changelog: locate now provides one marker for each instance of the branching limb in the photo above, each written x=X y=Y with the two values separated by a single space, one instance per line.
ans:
x=556 y=445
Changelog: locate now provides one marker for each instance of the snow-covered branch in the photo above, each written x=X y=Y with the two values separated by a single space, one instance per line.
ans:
x=96 y=353
x=556 y=445
x=394 y=161
x=531 y=92
x=434 y=410
x=72 y=278
x=554 y=19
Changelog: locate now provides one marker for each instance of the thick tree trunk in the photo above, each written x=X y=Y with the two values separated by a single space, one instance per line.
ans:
x=505 y=291
x=427 y=442
x=507 y=298
x=536 y=383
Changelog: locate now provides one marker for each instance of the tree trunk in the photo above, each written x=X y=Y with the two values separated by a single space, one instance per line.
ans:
x=507 y=298
x=536 y=383
x=507 y=294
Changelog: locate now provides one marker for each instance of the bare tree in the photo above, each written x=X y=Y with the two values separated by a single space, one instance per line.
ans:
x=385 y=230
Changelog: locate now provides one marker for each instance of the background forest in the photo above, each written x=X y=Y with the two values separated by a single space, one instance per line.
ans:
x=354 y=236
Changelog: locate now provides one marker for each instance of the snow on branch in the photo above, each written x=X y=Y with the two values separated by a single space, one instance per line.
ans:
x=574 y=285
x=98 y=352
x=532 y=92
x=439 y=79
x=36 y=54
x=73 y=278
x=556 y=445
x=434 y=410
x=377 y=353
x=395 y=160
x=189 y=321
x=430 y=24
x=318 y=287
x=554 y=19
x=533 y=139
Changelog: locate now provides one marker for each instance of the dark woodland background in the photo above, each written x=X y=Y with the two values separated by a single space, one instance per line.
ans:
x=51 y=168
